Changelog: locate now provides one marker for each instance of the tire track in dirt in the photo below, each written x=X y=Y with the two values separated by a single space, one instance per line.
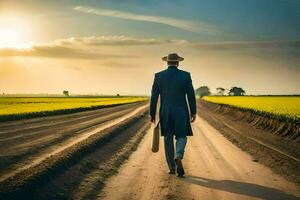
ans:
x=85 y=177
x=15 y=127
x=28 y=182
x=39 y=161
x=276 y=152
x=142 y=177
x=19 y=153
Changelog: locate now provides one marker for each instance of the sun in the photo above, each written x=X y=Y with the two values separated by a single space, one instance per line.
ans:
x=9 y=38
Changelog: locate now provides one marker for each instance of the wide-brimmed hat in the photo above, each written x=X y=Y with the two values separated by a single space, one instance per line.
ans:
x=172 y=57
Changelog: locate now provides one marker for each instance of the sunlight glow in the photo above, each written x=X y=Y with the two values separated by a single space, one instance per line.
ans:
x=9 y=38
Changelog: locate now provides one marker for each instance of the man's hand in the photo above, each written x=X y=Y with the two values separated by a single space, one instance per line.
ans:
x=193 y=118
x=153 y=120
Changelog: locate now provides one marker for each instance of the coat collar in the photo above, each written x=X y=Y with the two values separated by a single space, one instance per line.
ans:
x=172 y=67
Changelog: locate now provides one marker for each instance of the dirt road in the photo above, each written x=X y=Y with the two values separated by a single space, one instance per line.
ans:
x=82 y=161
x=76 y=167
x=27 y=142
x=215 y=169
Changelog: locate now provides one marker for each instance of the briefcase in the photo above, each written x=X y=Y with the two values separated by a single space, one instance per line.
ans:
x=155 y=141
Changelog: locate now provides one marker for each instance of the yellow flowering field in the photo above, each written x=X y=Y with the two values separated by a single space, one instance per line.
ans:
x=23 y=105
x=286 y=106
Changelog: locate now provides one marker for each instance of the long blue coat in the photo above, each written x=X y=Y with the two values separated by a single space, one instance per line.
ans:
x=173 y=86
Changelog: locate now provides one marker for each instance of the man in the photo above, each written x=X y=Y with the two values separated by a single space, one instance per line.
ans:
x=173 y=86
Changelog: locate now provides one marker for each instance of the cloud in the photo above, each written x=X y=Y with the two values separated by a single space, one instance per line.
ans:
x=90 y=47
x=56 y=51
x=123 y=65
x=275 y=51
x=115 y=41
x=82 y=47
x=195 y=27
x=238 y=45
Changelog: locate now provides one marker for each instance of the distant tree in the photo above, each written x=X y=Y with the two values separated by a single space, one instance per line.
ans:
x=118 y=95
x=220 y=91
x=203 y=91
x=66 y=93
x=236 y=91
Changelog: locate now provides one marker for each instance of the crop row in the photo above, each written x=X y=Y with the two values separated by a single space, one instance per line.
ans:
x=283 y=108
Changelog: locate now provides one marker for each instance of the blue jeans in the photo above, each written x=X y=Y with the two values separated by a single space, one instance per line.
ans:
x=169 y=149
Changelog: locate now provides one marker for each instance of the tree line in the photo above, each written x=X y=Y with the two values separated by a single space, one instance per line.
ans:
x=234 y=91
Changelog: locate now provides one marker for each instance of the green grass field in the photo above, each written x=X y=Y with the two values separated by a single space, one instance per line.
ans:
x=22 y=106
x=281 y=106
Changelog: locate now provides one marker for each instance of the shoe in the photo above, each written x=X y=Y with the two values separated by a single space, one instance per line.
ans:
x=172 y=172
x=180 y=175
x=180 y=170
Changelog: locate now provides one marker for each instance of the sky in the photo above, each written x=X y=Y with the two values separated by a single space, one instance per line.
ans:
x=116 y=46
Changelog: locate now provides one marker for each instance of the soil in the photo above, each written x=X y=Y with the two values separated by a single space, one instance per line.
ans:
x=22 y=142
x=115 y=161
x=25 y=180
x=266 y=147
x=215 y=169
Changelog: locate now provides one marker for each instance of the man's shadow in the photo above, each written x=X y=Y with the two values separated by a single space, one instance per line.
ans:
x=249 y=189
